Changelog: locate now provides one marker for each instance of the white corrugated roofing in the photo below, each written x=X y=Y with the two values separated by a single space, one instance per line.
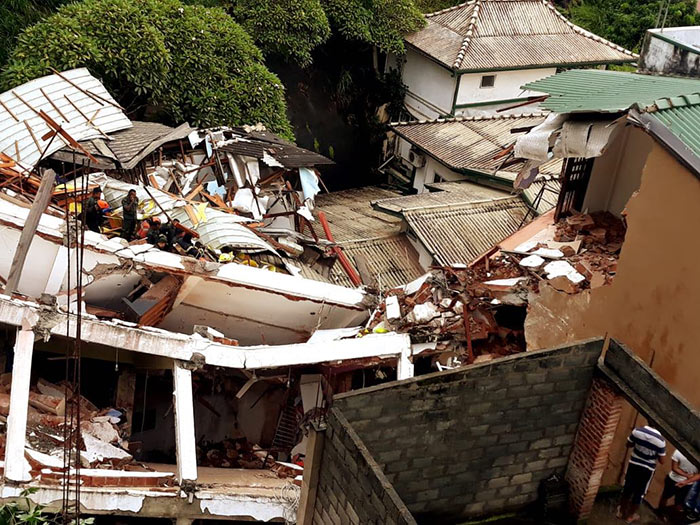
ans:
x=84 y=113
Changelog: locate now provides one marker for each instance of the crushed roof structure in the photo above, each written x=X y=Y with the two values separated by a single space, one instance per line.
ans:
x=73 y=100
x=681 y=116
x=125 y=149
x=374 y=234
x=482 y=35
x=594 y=90
x=461 y=222
x=473 y=144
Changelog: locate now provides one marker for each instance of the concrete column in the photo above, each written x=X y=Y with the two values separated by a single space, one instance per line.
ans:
x=404 y=368
x=184 y=424
x=19 y=401
x=309 y=484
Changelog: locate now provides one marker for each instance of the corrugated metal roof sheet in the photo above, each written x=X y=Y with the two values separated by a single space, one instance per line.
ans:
x=471 y=143
x=684 y=122
x=502 y=34
x=126 y=148
x=452 y=193
x=351 y=216
x=594 y=90
x=81 y=115
x=392 y=260
x=286 y=153
x=459 y=234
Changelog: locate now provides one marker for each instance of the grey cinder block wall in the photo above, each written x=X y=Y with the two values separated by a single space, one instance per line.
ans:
x=477 y=440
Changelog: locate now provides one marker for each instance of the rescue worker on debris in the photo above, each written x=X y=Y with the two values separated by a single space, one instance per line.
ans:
x=129 y=206
x=183 y=244
x=93 y=212
x=170 y=230
x=162 y=243
x=154 y=231
x=226 y=254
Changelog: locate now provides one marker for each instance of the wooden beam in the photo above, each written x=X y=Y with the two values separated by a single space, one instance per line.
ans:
x=312 y=470
x=41 y=202
x=185 y=444
x=19 y=401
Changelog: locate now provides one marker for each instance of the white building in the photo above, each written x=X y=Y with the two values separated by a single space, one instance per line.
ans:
x=672 y=51
x=475 y=56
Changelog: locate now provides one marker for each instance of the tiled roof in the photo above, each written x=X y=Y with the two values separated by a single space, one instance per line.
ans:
x=392 y=260
x=471 y=143
x=351 y=216
x=594 y=90
x=505 y=34
x=458 y=234
x=448 y=193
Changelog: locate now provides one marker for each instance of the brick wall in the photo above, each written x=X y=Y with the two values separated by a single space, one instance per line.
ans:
x=477 y=440
x=589 y=456
x=351 y=486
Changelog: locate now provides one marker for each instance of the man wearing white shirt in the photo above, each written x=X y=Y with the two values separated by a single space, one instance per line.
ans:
x=681 y=470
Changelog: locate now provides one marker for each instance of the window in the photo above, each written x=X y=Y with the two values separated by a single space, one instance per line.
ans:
x=488 y=81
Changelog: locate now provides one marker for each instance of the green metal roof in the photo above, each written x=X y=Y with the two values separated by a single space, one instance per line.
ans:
x=595 y=90
x=684 y=122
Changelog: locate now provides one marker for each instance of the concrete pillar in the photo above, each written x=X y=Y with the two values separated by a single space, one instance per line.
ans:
x=589 y=455
x=19 y=401
x=309 y=484
x=404 y=368
x=186 y=449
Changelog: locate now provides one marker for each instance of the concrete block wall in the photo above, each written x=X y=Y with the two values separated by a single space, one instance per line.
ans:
x=477 y=440
x=352 y=490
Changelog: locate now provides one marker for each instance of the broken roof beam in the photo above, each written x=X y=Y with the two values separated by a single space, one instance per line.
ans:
x=172 y=345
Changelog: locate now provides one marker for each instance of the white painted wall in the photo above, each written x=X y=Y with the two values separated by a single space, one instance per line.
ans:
x=430 y=87
x=431 y=172
x=660 y=56
x=617 y=174
x=506 y=86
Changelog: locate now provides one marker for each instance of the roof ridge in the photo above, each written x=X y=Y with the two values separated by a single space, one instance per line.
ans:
x=468 y=37
x=585 y=33
x=499 y=202
x=471 y=118
x=453 y=8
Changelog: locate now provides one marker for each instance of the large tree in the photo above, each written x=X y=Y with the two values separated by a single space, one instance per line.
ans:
x=185 y=62
x=625 y=22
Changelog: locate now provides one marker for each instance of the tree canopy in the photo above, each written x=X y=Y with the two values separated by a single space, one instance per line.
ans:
x=381 y=23
x=186 y=62
x=625 y=22
x=290 y=29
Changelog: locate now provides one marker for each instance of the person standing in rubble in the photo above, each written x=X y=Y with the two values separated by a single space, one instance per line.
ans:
x=93 y=212
x=129 y=206
x=648 y=447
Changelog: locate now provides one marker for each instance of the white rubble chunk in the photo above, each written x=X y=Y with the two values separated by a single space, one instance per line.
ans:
x=532 y=261
x=563 y=268
x=550 y=253
x=393 y=310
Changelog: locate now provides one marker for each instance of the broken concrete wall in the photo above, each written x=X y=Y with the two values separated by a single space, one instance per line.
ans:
x=652 y=305
x=477 y=440
x=351 y=487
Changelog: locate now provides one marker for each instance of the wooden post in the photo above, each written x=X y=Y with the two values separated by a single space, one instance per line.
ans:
x=186 y=448
x=19 y=402
x=312 y=469
x=41 y=201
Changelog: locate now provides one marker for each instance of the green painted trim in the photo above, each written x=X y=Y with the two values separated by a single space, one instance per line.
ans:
x=576 y=65
x=674 y=43
x=491 y=102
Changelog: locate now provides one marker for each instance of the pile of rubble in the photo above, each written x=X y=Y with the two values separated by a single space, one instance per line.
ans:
x=437 y=308
x=582 y=253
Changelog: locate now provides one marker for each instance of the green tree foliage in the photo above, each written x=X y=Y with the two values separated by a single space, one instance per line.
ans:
x=186 y=62
x=625 y=22
x=290 y=29
x=430 y=6
x=15 y=15
x=381 y=23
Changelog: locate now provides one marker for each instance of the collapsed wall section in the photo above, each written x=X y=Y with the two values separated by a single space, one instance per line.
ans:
x=477 y=440
x=351 y=486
